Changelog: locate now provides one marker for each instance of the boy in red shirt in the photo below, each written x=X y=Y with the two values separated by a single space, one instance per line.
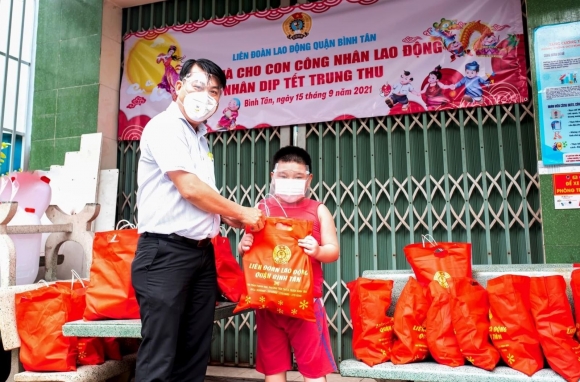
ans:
x=277 y=334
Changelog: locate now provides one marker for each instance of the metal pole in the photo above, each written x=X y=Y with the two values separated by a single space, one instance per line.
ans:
x=13 y=133
x=27 y=137
x=3 y=108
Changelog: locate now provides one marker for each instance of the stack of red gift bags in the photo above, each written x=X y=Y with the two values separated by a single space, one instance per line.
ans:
x=40 y=315
x=447 y=316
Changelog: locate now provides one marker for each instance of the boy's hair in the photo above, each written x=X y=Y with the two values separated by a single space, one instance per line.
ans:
x=472 y=66
x=292 y=154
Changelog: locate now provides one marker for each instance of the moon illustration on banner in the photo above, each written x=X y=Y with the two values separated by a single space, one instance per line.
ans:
x=142 y=65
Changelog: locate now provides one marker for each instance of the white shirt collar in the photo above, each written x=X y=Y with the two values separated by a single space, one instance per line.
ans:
x=174 y=110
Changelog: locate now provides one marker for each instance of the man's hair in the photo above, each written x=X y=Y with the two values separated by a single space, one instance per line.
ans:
x=293 y=154
x=209 y=67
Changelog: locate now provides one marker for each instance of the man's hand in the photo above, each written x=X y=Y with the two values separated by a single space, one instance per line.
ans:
x=246 y=243
x=253 y=218
x=232 y=222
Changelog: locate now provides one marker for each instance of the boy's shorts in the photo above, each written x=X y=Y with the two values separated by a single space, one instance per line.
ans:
x=310 y=341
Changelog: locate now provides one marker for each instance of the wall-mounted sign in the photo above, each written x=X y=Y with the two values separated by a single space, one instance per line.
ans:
x=567 y=191
x=557 y=51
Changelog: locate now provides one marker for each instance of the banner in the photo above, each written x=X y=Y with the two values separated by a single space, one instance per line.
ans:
x=334 y=60
x=557 y=52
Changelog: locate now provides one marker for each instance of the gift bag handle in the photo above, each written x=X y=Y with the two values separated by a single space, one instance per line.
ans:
x=439 y=252
x=263 y=201
x=127 y=224
x=428 y=238
x=72 y=280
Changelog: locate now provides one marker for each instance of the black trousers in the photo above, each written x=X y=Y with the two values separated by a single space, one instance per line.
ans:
x=175 y=285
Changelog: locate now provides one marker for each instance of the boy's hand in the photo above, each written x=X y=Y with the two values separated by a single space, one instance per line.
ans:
x=310 y=245
x=246 y=243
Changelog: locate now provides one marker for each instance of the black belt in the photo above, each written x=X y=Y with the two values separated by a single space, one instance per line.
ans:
x=173 y=237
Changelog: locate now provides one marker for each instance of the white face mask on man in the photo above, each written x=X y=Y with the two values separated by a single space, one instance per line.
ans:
x=290 y=190
x=198 y=104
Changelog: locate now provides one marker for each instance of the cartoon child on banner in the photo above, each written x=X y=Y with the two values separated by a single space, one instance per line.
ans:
x=473 y=83
x=443 y=31
x=456 y=49
x=433 y=90
x=228 y=120
x=171 y=75
x=400 y=91
x=487 y=45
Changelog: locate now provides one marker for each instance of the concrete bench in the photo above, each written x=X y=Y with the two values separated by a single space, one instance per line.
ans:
x=430 y=371
x=96 y=373
x=129 y=328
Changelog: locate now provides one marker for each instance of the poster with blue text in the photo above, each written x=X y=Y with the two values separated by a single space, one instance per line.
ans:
x=334 y=60
x=557 y=51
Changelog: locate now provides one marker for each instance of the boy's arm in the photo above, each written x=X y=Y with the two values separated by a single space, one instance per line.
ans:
x=329 y=248
x=458 y=84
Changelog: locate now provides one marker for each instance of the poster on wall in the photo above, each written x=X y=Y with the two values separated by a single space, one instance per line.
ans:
x=566 y=191
x=557 y=55
x=334 y=60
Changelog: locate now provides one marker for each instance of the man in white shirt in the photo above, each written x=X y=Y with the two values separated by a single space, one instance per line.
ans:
x=179 y=206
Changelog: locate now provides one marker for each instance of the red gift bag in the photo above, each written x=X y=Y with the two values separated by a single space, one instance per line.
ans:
x=110 y=294
x=575 y=285
x=441 y=339
x=277 y=271
x=372 y=330
x=40 y=315
x=438 y=261
x=112 y=349
x=469 y=316
x=410 y=340
x=78 y=290
x=553 y=317
x=230 y=277
x=512 y=328
x=90 y=351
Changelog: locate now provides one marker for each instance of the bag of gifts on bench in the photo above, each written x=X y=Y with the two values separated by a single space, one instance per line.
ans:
x=512 y=328
x=438 y=261
x=40 y=315
x=552 y=314
x=410 y=341
x=372 y=329
x=110 y=294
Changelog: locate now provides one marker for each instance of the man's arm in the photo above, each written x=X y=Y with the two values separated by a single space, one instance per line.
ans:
x=201 y=195
x=232 y=222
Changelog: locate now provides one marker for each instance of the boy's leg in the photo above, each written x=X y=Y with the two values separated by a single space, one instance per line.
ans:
x=273 y=356
x=404 y=101
x=280 y=377
x=311 y=344
x=321 y=379
x=193 y=346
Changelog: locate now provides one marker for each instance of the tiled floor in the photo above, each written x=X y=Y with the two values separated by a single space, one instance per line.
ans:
x=240 y=372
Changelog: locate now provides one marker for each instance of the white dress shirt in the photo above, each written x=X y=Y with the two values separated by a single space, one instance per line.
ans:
x=170 y=143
